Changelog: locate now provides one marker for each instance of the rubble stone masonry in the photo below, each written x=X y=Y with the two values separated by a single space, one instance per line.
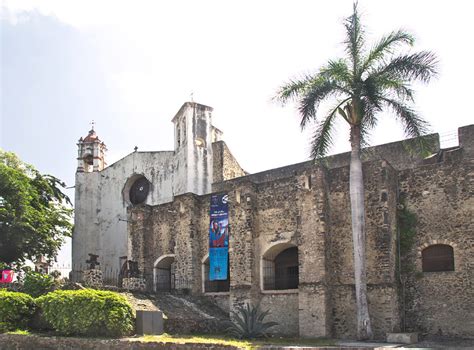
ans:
x=307 y=206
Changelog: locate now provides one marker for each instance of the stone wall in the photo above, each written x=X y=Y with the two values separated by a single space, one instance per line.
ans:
x=93 y=278
x=442 y=198
x=272 y=216
x=168 y=229
x=308 y=206
x=225 y=165
x=221 y=300
x=380 y=181
x=100 y=208
x=284 y=310
x=134 y=284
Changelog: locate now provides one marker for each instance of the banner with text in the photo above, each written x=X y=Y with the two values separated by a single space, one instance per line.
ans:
x=219 y=238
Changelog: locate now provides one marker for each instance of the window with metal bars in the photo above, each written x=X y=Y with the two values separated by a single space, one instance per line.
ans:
x=281 y=272
x=437 y=258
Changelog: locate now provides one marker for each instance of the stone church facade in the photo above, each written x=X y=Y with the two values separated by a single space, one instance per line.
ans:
x=290 y=245
x=103 y=193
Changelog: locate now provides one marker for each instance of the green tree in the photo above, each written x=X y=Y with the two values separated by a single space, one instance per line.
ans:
x=35 y=216
x=363 y=83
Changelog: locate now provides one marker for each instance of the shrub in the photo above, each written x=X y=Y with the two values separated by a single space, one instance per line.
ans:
x=55 y=274
x=16 y=310
x=36 y=284
x=248 y=322
x=87 y=312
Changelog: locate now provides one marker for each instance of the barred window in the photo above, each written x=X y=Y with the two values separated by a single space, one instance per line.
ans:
x=438 y=257
x=281 y=271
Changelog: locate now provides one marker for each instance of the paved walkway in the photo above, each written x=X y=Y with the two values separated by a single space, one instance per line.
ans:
x=371 y=345
x=445 y=344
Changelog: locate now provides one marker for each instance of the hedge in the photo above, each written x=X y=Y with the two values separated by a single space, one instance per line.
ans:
x=16 y=310
x=36 y=284
x=87 y=312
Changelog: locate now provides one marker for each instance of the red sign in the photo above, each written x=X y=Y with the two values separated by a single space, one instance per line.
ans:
x=7 y=276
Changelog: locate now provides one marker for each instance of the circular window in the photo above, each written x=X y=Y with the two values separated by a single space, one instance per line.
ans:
x=139 y=191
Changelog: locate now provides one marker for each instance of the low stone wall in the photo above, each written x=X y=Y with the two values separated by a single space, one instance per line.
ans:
x=93 y=278
x=188 y=326
x=283 y=309
x=27 y=342
x=134 y=284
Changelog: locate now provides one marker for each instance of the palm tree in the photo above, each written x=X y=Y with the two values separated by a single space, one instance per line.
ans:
x=364 y=82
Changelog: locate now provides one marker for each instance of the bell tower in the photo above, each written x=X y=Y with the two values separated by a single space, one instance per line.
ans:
x=194 y=135
x=90 y=153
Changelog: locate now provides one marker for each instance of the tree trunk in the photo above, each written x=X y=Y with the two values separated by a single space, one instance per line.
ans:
x=356 y=183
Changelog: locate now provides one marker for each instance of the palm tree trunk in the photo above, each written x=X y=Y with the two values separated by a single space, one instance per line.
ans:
x=356 y=183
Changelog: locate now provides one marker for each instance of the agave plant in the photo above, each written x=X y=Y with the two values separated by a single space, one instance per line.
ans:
x=248 y=322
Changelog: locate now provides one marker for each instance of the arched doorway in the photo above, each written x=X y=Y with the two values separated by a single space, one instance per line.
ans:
x=163 y=273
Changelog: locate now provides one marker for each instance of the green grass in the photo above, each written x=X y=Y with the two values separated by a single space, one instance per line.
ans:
x=225 y=340
x=19 y=331
x=209 y=339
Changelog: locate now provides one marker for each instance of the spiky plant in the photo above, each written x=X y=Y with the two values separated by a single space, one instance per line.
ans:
x=363 y=83
x=248 y=322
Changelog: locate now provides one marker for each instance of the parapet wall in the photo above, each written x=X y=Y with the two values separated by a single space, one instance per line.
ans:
x=466 y=139
x=401 y=155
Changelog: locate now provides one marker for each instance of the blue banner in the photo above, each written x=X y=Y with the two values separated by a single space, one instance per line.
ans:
x=218 y=258
x=219 y=238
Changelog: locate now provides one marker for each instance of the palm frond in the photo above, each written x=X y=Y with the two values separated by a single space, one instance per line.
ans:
x=338 y=71
x=322 y=137
x=371 y=89
x=386 y=45
x=316 y=93
x=368 y=83
x=419 y=66
x=292 y=89
x=413 y=124
x=370 y=107
x=397 y=87
x=354 y=39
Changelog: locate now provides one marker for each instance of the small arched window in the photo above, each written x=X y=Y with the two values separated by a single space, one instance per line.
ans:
x=438 y=257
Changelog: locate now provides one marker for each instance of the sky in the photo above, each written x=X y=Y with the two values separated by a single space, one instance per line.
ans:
x=130 y=65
